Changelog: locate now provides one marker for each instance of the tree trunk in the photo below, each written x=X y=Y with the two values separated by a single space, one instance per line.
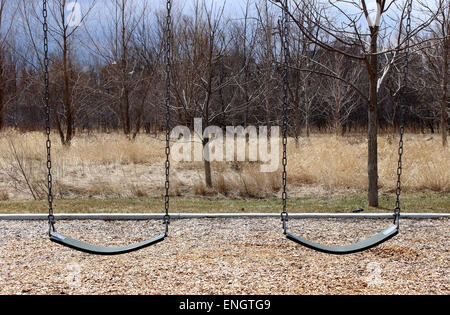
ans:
x=372 y=162
x=373 y=154
x=67 y=94
x=295 y=96
x=337 y=112
x=298 y=125
x=307 y=125
x=126 y=118
x=126 y=111
x=208 y=177
x=444 y=99
x=140 y=112
x=307 y=107
x=268 y=107
x=2 y=92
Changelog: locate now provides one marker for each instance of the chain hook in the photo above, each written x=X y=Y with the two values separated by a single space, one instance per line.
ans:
x=397 y=216
x=51 y=224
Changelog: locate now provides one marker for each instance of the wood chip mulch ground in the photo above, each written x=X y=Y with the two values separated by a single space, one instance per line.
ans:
x=226 y=256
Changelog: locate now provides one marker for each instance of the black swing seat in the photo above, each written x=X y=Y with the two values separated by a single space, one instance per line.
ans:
x=363 y=245
x=101 y=250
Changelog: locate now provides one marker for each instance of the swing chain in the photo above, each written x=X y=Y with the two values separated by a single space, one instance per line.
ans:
x=168 y=104
x=51 y=217
x=403 y=100
x=285 y=37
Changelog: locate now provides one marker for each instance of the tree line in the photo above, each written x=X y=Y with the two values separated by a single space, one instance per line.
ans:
x=109 y=74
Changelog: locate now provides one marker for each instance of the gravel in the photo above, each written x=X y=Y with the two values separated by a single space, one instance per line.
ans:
x=226 y=256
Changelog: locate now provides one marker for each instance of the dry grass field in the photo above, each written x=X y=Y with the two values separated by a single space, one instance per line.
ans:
x=111 y=166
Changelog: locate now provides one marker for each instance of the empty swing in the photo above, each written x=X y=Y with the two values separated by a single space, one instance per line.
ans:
x=77 y=244
x=392 y=230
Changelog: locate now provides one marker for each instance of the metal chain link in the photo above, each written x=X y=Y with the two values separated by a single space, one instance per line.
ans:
x=403 y=100
x=285 y=37
x=51 y=217
x=168 y=105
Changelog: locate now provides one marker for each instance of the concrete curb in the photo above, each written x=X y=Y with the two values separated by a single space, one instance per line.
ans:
x=175 y=216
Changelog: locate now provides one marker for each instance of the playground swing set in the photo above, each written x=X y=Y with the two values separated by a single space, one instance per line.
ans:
x=360 y=246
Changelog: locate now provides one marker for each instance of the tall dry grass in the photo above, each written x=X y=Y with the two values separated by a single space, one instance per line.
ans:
x=89 y=149
x=241 y=180
x=111 y=165
x=94 y=165
x=337 y=162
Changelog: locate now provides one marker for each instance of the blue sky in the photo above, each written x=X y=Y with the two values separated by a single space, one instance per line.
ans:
x=233 y=8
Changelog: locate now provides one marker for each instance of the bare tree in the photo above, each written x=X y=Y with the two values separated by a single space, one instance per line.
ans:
x=129 y=53
x=200 y=77
x=243 y=50
x=63 y=32
x=8 y=12
x=268 y=56
x=340 y=98
x=359 y=35
x=436 y=53
x=64 y=75
x=304 y=90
